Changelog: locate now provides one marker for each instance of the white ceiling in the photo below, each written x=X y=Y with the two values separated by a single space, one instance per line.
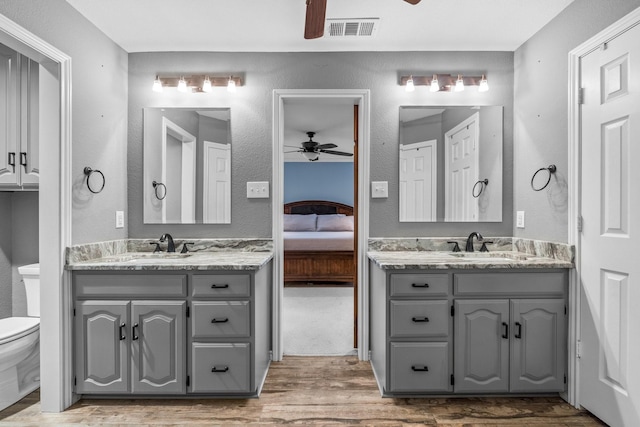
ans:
x=278 y=25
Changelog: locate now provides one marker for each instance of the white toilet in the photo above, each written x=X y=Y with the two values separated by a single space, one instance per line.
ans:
x=20 y=344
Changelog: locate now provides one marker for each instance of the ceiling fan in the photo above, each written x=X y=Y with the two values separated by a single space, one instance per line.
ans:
x=311 y=150
x=316 y=13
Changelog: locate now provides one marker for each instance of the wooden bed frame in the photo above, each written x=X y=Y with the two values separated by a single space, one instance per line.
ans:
x=319 y=266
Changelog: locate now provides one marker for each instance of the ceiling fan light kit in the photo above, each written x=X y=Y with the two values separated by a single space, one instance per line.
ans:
x=203 y=83
x=445 y=82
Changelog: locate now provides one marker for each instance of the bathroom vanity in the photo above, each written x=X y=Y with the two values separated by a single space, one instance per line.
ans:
x=172 y=324
x=457 y=323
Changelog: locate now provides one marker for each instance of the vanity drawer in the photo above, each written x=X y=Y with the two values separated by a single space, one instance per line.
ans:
x=224 y=368
x=130 y=285
x=216 y=319
x=221 y=285
x=419 y=285
x=519 y=284
x=418 y=367
x=422 y=318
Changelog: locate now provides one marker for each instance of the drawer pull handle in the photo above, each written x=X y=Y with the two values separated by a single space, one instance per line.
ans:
x=519 y=332
x=505 y=334
x=220 y=369
x=418 y=368
x=215 y=286
x=419 y=285
x=220 y=320
x=133 y=330
x=420 y=319
x=122 y=336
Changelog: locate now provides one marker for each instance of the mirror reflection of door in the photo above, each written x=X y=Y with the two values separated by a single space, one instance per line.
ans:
x=418 y=181
x=216 y=182
x=178 y=174
x=461 y=170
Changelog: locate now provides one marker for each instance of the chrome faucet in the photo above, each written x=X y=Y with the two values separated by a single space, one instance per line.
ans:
x=469 y=246
x=171 y=247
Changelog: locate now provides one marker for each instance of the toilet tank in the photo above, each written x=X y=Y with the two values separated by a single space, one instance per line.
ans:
x=31 y=277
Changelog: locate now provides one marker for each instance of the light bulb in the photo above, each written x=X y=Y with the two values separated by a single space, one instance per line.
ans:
x=310 y=155
x=157 y=85
x=410 y=87
x=231 y=85
x=459 y=84
x=182 y=85
x=484 y=85
x=435 y=85
x=206 y=86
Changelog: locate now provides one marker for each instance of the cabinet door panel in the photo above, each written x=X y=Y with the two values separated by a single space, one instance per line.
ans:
x=158 y=347
x=421 y=318
x=481 y=361
x=538 y=345
x=9 y=163
x=221 y=367
x=102 y=346
x=419 y=367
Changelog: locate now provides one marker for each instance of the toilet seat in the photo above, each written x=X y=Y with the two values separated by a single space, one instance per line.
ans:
x=13 y=328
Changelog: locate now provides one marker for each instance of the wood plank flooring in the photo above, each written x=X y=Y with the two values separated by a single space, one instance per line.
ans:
x=308 y=391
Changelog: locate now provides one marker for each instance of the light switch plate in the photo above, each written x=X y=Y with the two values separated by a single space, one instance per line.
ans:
x=520 y=219
x=258 y=190
x=379 y=189
x=119 y=219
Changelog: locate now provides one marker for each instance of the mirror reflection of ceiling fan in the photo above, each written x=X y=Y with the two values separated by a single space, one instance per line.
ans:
x=316 y=13
x=311 y=150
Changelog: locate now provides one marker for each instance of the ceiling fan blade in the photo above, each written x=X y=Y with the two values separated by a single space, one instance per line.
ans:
x=295 y=151
x=314 y=23
x=337 y=153
x=324 y=146
x=414 y=2
x=292 y=146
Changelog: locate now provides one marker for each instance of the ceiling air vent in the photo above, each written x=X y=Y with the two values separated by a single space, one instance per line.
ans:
x=359 y=27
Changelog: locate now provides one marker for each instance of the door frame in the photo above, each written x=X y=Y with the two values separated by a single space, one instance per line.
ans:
x=362 y=97
x=188 y=170
x=574 y=211
x=56 y=370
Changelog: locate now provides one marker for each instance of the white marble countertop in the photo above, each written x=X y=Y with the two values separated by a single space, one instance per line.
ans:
x=220 y=260
x=427 y=260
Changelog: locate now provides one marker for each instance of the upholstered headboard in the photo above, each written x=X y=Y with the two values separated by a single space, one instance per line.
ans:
x=319 y=207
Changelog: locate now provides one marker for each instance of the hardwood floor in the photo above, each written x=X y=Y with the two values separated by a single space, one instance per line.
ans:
x=307 y=391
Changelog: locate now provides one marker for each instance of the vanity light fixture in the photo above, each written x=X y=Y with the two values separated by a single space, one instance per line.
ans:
x=196 y=83
x=157 y=85
x=409 y=87
x=445 y=82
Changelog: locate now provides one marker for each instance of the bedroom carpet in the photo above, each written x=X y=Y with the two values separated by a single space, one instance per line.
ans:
x=318 y=321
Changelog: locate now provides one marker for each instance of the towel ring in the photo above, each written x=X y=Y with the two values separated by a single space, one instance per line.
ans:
x=551 y=169
x=157 y=185
x=483 y=183
x=88 y=172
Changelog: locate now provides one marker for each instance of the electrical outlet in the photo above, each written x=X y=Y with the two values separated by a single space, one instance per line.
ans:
x=520 y=219
x=258 y=190
x=119 y=219
x=379 y=189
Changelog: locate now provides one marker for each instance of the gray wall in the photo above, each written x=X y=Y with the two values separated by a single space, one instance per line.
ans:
x=99 y=110
x=5 y=255
x=251 y=123
x=541 y=111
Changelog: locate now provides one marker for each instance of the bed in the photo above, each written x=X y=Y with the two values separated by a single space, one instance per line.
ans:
x=318 y=242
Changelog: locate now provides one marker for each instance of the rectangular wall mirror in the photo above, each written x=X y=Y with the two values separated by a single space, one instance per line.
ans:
x=187 y=166
x=450 y=164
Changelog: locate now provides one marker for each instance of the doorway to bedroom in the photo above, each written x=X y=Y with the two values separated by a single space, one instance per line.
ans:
x=319 y=315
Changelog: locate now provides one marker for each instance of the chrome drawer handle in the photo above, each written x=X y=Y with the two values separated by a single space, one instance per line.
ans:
x=224 y=286
x=220 y=320
x=420 y=319
x=418 y=368
x=220 y=369
x=419 y=285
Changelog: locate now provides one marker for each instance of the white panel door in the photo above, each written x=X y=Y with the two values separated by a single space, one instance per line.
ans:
x=461 y=170
x=418 y=179
x=610 y=206
x=216 y=200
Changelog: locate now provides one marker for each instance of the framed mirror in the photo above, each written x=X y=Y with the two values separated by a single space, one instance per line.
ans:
x=450 y=164
x=187 y=165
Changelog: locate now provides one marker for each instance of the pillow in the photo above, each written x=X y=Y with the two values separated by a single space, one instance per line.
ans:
x=335 y=223
x=300 y=222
